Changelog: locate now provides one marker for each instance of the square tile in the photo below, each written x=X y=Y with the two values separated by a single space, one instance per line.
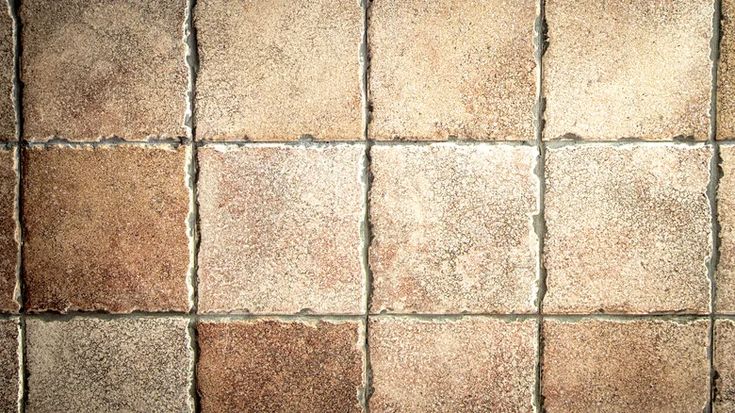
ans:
x=279 y=69
x=103 y=365
x=452 y=68
x=105 y=228
x=280 y=228
x=725 y=276
x=627 y=228
x=628 y=69
x=96 y=69
x=280 y=366
x=9 y=360
x=724 y=364
x=467 y=365
x=621 y=366
x=726 y=73
x=452 y=228
x=7 y=70
x=8 y=236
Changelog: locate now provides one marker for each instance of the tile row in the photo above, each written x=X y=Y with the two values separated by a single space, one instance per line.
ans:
x=415 y=365
x=451 y=68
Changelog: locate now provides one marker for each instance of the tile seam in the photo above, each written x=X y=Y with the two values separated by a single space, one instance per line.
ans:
x=366 y=228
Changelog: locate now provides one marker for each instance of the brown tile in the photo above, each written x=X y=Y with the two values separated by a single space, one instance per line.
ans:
x=280 y=228
x=726 y=73
x=7 y=69
x=622 y=366
x=8 y=241
x=96 y=68
x=628 y=69
x=452 y=68
x=452 y=228
x=725 y=299
x=470 y=365
x=105 y=228
x=628 y=228
x=279 y=69
x=279 y=366
x=9 y=358
x=96 y=365
x=724 y=364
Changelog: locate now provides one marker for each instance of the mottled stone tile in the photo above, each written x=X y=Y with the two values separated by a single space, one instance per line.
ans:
x=279 y=69
x=726 y=73
x=105 y=228
x=620 y=366
x=452 y=228
x=452 y=68
x=628 y=69
x=280 y=366
x=105 y=365
x=8 y=227
x=724 y=364
x=628 y=228
x=93 y=69
x=9 y=360
x=280 y=228
x=725 y=276
x=7 y=69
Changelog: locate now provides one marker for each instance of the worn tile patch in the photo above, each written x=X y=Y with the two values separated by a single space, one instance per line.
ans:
x=279 y=366
x=452 y=68
x=725 y=276
x=105 y=228
x=615 y=366
x=7 y=69
x=724 y=364
x=9 y=360
x=726 y=73
x=628 y=228
x=8 y=240
x=469 y=365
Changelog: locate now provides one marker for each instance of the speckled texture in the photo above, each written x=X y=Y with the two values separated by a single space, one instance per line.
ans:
x=280 y=229
x=461 y=68
x=452 y=228
x=628 y=228
x=7 y=55
x=96 y=68
x=628 y=69
x=624 y=366
x=279 y=366
x=276 y=70
x=8 y=227
x=96 y=365
x=105 y=229
x=724 y=364
x=9 y=357
x=725 y=276
x=726 y=73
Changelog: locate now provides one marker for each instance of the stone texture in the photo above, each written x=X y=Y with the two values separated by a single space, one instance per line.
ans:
x=620 y=366
x=452 y=68
x=725 y=277
x=628 y=69
x=279 y=366
x=726 y=75
x=280 y=228
x=724 y=364
x=8 y=227
x=468 y=365
x=7 y=69
x=96 y=365
x=279 y=69
x=452 y=228
x=105 y=228
x=628 y=228
x=9 y=358
x=96 y=68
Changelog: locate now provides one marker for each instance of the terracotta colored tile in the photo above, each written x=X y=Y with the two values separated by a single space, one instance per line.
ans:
x=96 y=68
x=96 y=365
x=452 y=68
x=105 y=228
x=279 y=366
x=8 y=241
x=628 y=228
x=628 y=69
x=725 y=300
x=279 y=69
x=7 y=56
x=452 y=228
x=9 y=357
x=621 y=366
x=280 y=228
x=469 y=365
x=726 y=75
x=724 y=363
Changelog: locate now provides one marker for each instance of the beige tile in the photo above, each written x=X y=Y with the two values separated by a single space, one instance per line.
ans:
x=452 y=228
x=96 y=68
x=452 y=68
x=467 y=365
x=725 y=299
x=726 y=73
x=279 y=69
x=9 y=359
x=280 y=228
x=724 y=364
x=8 y=228
x=621 y=366
x=7 y=69
x=628 y=228
x=628 y=69
x=96 y=365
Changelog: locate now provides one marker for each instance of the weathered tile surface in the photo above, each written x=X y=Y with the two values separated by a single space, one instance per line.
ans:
x=278 y=366
x=470 y=365
x=620 y=366
x=725 y=300
x=96 y=68
x=9 y=358
x=452 y=68
x=7 y=55
x=8 y=242
x=280 y=228
x=724 y=364
x=280 y=69
x=628 y=228
x=96 y=365
x=452 y=228
x=105 y=228
x=625 y=69
x=726 y=73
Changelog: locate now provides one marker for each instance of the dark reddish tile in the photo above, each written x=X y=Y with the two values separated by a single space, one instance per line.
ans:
x=7 y=69
x=9 y=361
x=8 y=227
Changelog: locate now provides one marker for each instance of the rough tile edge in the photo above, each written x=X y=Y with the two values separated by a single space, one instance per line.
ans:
x=618 y=319
x=191 y=54
x=18 y=234
x=192 y=345
x=624 y=144
x=192 y=226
